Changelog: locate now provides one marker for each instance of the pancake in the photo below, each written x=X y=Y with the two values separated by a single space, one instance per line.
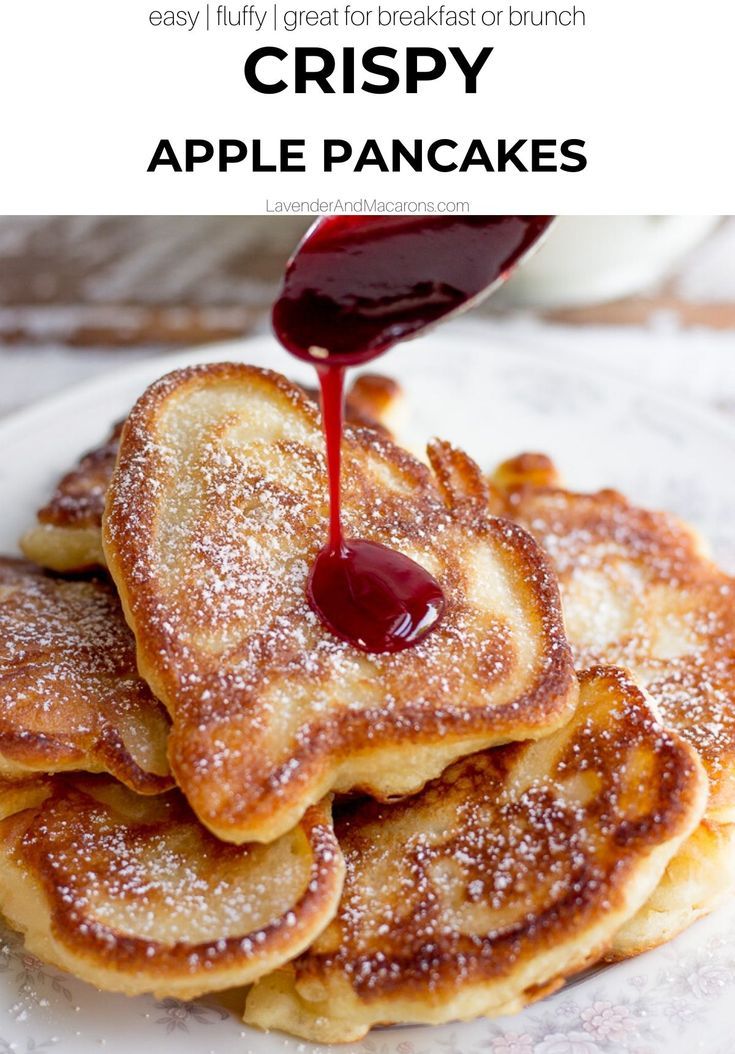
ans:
x=132 y=894
x=638 y=589
x=500 y=879
x=22 y=793
x=700 y=877
x=70 y=693
x=66 y=536
x=216 y=511
x=373 y=401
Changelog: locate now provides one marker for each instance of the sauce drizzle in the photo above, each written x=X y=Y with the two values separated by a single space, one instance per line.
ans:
x=354 y=288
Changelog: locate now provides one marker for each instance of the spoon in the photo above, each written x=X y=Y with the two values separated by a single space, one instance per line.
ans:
x=356 y=285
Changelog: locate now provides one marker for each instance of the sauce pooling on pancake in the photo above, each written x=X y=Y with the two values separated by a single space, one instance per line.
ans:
x=354 y=288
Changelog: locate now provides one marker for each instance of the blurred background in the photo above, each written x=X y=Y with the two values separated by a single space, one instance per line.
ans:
x=648 y=296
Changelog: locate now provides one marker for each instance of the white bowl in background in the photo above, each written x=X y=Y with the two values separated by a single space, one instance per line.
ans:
x=592 y=259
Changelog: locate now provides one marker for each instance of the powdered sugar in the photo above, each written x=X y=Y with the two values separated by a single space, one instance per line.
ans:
x=510 y=852
x=70 y=692
x=638 y=591
x=219 y=508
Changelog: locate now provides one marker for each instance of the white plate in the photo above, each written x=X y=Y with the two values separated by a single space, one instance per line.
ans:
x=602 y=431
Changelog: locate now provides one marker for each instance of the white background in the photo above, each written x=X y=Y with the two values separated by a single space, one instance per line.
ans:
x=89 y=88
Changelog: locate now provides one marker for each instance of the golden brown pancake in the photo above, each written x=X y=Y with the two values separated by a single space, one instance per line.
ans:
x=23 y=793
x=66 y=537
x=638 y=590
x=216 y=511
x=374 y=401
x=70 y=693
x=67 y=534
x=501 y=878
x=133 y=895
x=699 y=878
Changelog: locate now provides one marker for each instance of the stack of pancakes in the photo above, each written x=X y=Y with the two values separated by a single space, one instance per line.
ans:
x=202 y=789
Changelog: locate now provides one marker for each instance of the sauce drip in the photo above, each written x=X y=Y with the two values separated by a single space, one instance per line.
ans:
x=371 y=596
x=354 y=288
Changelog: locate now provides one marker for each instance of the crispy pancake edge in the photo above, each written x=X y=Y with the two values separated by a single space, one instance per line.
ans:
x=66 y=536
x=24 y=753
x=548 y=960
x=535 y=475
x=57 y=931
x=699 y=878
